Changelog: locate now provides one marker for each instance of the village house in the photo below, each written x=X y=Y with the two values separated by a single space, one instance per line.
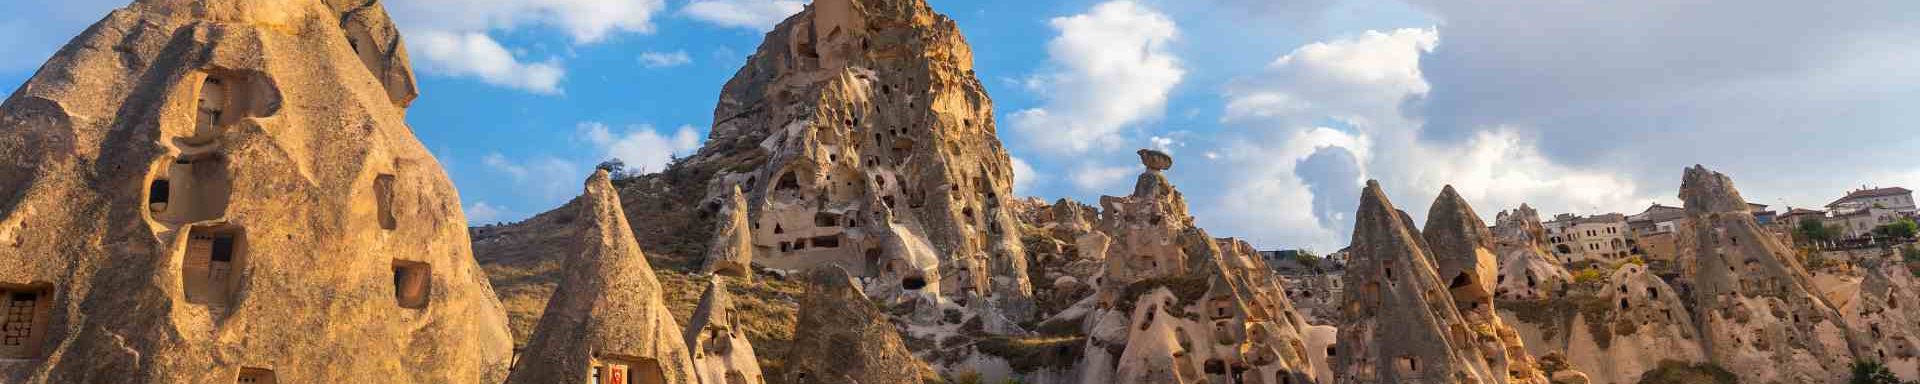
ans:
x=1597 y=238
x=1896 y=199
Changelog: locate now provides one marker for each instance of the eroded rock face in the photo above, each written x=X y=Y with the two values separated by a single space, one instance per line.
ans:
x=220 y=191
x=608 y=318
x=1883 y=308
x=1640 y=322
x=846 y=338
x=1526 y=271
x=732 y=251
x=1758 y=312
x=721 y=352
x=1400 y=324
x=1177 y=306
x=1463 y=253
x=857 y=124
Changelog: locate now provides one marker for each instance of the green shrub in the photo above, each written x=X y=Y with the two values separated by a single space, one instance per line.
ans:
x=1677 y=372
x=1869 y=372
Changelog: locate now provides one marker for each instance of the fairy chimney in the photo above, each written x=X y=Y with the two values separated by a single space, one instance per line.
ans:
x=221 y=190
x=607 y=321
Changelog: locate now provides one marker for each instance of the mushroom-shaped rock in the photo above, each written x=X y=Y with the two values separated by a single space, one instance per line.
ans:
x=1399 y=325
x=1155 y=160
x=205 y=191
x=721 y=352
x=1463 y=252
x=1759 y=314
x=608 y=318
x=846 y=339
x=731 y=253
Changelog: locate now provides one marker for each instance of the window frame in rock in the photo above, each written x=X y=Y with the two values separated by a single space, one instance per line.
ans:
x=412 y=284
x=25 y=321
x=255 y=376
x=205 y=278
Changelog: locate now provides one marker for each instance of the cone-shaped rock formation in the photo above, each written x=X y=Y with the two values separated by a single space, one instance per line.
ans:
x=721 y=352
x=221 y=190
x=846 y=338
x=731 y=253
x=1758 y=313
x=607 y=320
x=1463 y=253
x=1399 y=324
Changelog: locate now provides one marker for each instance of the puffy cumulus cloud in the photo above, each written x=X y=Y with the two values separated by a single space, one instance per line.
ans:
x=1655 y=86
x=585 y=21
x=759 y=15
x=1111 y=68
x=479 y=56
x=1325 y=117
x=665 y=59
x=641 y=147
x=481 y=213
x=1099 y=178
x=452 y=36
x=546 y=179
x=1025 y=178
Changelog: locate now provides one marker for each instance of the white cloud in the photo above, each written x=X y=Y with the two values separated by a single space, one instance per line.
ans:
x=1111 y=69
x=452 y=37
x=665 y=59
x=1362 y=83
x=1101 y=178
x=478 y=56
x=760 y=15
x=544 y=178
x=641 y=147
x=585 y=21
x=1025 y=178
x=481 y=212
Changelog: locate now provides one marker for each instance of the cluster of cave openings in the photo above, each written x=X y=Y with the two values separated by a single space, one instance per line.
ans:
x=255 y=376
x=191 y=189
x=383 y=200
x=210 y=269
x=24 y=321
x=412 y=283
x=626 y=370
x=224 y=98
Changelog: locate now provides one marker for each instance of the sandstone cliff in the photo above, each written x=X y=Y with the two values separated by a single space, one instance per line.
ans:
x=222 y=190
x=608 y=318
x=862 y=139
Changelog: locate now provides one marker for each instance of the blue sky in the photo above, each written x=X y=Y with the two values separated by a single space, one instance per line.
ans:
x=1276 y=111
